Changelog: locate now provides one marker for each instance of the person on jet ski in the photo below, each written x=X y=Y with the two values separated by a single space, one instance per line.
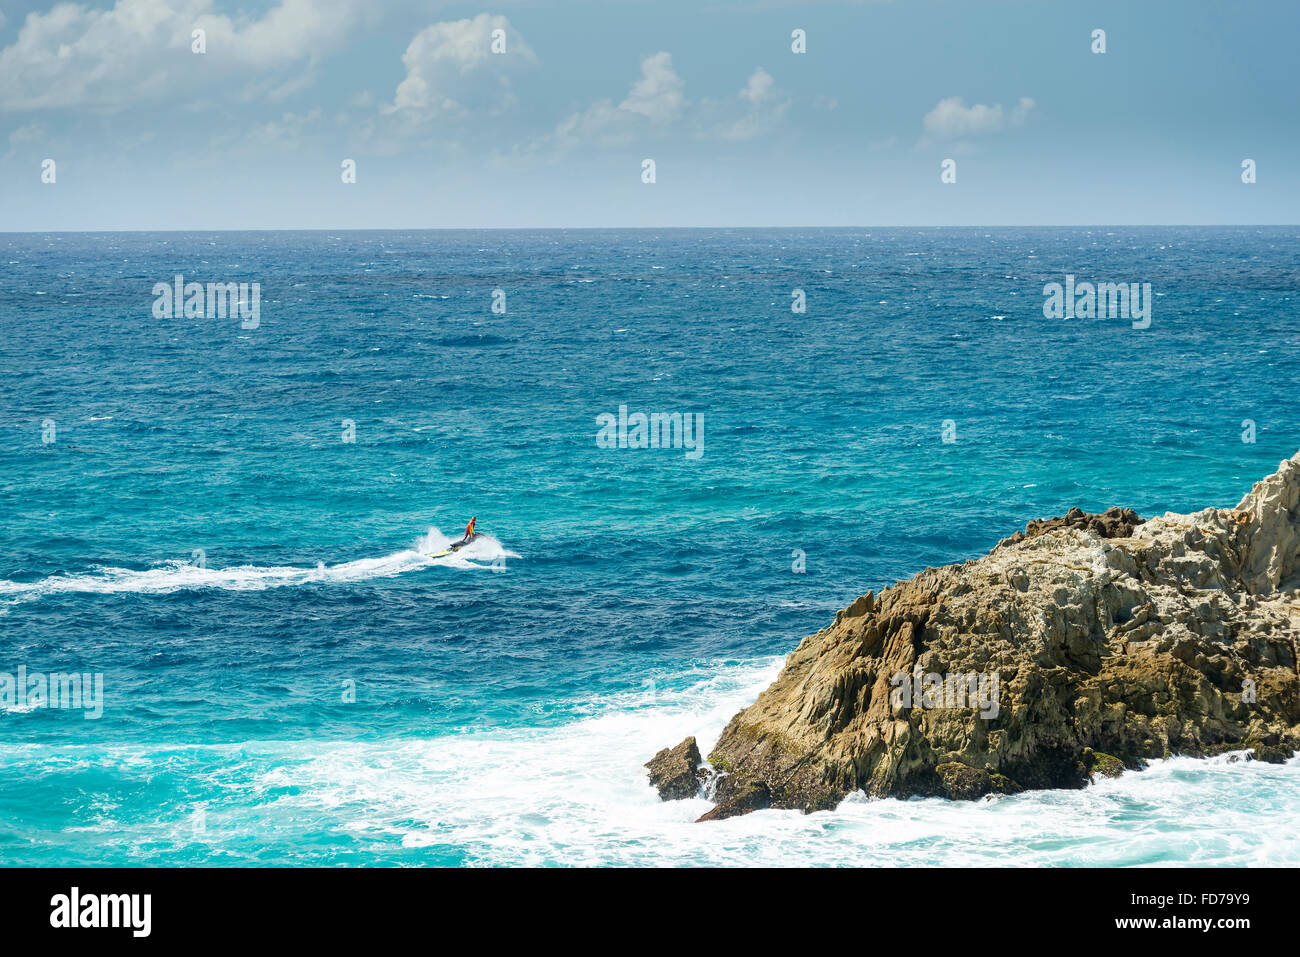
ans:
x=469 y=531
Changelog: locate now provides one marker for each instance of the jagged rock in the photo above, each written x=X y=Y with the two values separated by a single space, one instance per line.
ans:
x=673 y=771
x=1098 y=762
x=1003 y=784
x=1135 y=639
x=736 y=796
x=961 y=782
x=1269 y=753
x=1115 y=522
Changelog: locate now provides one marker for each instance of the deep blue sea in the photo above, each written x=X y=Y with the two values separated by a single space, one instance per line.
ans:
x=290 y=677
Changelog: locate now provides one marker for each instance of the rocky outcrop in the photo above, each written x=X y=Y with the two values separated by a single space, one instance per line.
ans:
x=961 y=782
x=1084 y=645
x=737 y=795
x=674 y=772
x=1099 y=763
x=1115 y=522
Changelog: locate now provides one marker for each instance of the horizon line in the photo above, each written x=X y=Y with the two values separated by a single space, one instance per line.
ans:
x=418 y=229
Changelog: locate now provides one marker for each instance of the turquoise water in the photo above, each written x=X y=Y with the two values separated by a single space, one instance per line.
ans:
x=506 y=697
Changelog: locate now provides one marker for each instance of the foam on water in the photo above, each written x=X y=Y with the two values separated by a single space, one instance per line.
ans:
x=176 y=576
x=577 y=795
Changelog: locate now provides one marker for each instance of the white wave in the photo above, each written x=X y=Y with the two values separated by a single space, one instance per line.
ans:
x=577 y=794
x=484 y=552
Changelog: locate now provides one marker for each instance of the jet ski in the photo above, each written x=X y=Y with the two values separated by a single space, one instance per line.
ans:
x=456 y=547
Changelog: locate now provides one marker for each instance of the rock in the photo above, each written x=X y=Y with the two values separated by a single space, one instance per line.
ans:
x=1002 y=784
x=1269 y=754
x=962 y=782
x=735 y=797
x=1098 y=762
x=1177 y=635
x=673 y=771
x=1115 y=522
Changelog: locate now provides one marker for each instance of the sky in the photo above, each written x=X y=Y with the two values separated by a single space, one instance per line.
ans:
x=254 y=132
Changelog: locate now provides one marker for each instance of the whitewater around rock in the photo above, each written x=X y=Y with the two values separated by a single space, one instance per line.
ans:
x=1107 y=639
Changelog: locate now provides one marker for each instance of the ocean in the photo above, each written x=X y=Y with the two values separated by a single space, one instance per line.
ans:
x=234 y=524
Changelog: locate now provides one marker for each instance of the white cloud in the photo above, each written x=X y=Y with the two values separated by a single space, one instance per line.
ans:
x=762 y=105
x=450 y=68
x=953 y=119
x=601 y=121
x=287 y=131
x=294 y=30
x=26 y=134
x=658 y=94
x=758 y=88
x=655 y=100
x=656 y=104
x=139 y=50
x=1021 y=112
